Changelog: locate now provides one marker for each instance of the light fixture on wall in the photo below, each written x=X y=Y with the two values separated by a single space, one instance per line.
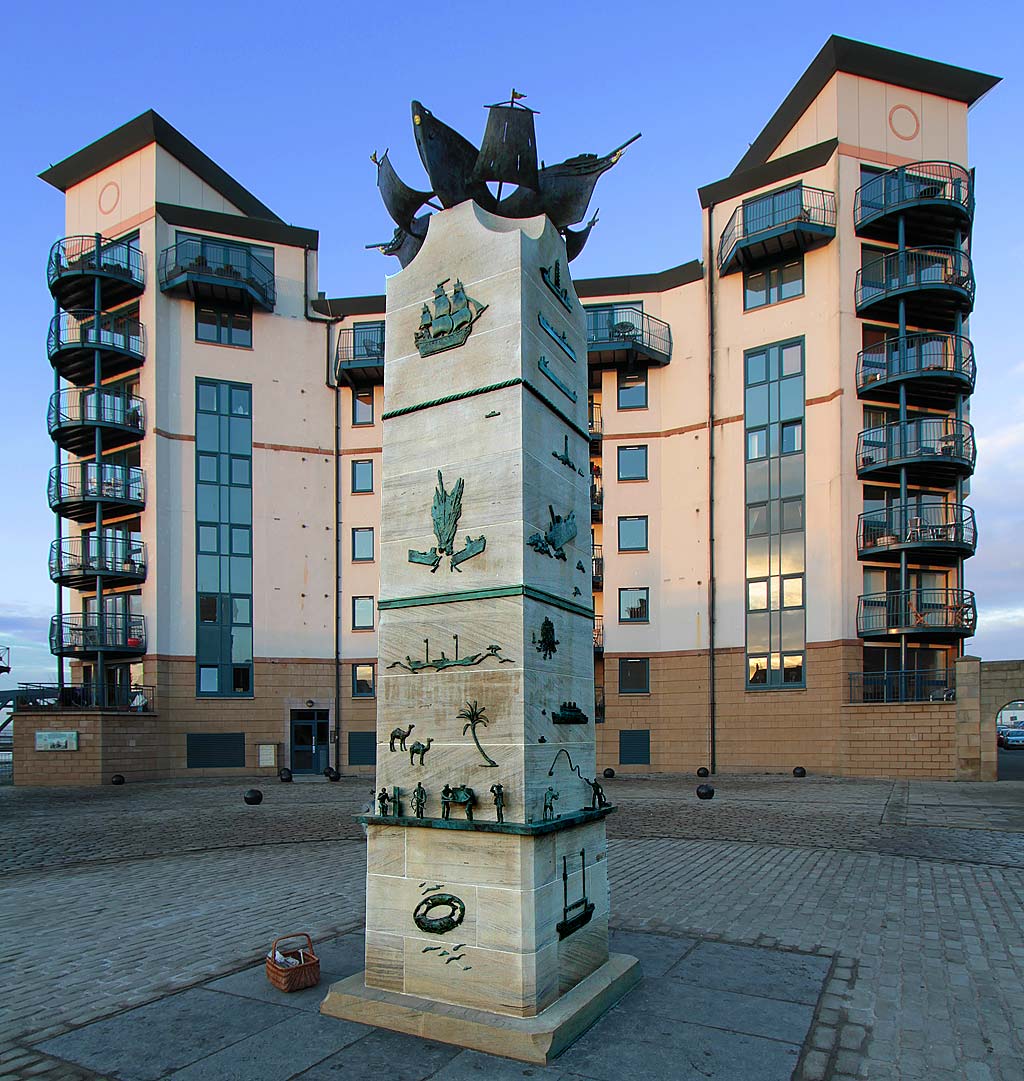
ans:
x=309 y=703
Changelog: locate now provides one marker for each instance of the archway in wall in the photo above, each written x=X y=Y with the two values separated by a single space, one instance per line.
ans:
x=1010 y=757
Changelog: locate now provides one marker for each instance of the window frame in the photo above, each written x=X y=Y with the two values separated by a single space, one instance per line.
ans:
x=773 y=275
x=373 y=681
x=373 y=614
x=647 y=667
x=618 y=462
x=645 y=604
x=373 y=550
x=357 y=394
x=620 y=382
x=634 y=518
x=356 y=462
x=225 y=314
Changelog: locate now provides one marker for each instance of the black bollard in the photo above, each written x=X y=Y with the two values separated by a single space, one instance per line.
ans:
x=705 y=791
x=254 y=797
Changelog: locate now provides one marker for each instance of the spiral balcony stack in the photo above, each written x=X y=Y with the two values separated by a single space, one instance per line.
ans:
x=96 y=422
x=924 y=288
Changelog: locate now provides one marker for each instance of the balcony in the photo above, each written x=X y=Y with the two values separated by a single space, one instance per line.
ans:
x=765 y=229
x=598 y=705
x=935 y=285
x=88 y=634
x=78 y=263
x=596 y=499
x=597 y=561
x=359 y=357
x=937 y=533
x=76 y=562
x=619 y=335
x=929 y=613
x=599 y=635
x=934 y=198
x=595 y=424
x=76 y=489
x=935 y=685
x=75 y=337
x=75 y=697
x=935 y=368
x=932 y=450
x=217 y=270
x=75 y=414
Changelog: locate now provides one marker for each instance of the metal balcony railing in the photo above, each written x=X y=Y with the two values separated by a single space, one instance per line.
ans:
x=594 y=421
x=796 y=207
x=50 y=698
x=88 y=407
x=929 y=439
x=218 y=261
x=88 y=632
x=920 y=183
x=924 y=354
x=615 y=328
x=597 y=560
x=929 y=524
x=75 y=256
x=87 y=480
x=81 y=330
x=915 y=269
x=596 y=495
x=84 y=557
x=917 y=611
x=599 y=634
x=936 y=685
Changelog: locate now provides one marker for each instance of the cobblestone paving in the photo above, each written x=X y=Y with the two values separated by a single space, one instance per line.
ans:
x=113 y=897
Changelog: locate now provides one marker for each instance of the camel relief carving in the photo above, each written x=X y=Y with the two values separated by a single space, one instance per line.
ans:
x=399 y=736
x=419 y=749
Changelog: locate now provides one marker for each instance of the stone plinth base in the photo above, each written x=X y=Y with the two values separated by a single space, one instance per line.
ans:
x=529 y=1039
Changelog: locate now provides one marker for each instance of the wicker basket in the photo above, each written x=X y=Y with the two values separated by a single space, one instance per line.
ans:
x=294 y=977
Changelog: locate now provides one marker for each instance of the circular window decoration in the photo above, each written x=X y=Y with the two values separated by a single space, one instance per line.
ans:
x=110 y=196
x=438 y=913
x=904 y=122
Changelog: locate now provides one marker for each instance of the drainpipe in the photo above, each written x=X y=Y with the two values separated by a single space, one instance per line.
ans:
x=332 y=384
x=710 y=265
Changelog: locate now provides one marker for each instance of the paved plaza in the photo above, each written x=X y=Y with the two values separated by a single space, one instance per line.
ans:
x=814 y=928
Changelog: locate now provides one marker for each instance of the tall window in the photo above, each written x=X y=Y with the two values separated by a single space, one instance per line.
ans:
x=224 y=642
x=775 y=594
x=362 y=407
x=362 y=545
x=362 y=613
x=632 y=389
x=362 y=475
x=364 y=681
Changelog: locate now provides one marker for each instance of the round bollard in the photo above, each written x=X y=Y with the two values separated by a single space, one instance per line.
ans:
x=703 y=772
x=254 y=797
x=609 y=773
x=799 y=772
x=118 y=778
x=705 y=791
x=334 y=775
x=284 y=775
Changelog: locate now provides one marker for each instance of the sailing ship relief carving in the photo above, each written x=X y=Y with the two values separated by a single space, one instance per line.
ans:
x=451 y=321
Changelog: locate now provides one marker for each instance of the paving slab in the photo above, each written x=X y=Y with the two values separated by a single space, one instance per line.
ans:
x=385 y=1056
x=150 y=1042
x=476 y=1066
x=656 y=953
x=746 y=970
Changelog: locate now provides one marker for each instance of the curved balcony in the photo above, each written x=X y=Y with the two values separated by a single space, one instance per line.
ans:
x=359 y=356
x=75 y=336
x=764 y=229
x=76 y=562
x=935 y=199
x=86 y=635
x=207 y=269
x=935 y=285
x=939 y=532
x=618 y=335
x=77 y=263
x=913 y=685
x=930 y=613
x=77 y=488
x=934 y=367
x=932 y=450
x=76 y=412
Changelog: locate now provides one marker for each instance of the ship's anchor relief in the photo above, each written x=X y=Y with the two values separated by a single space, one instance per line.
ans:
x=445 y=512
x=451 y=321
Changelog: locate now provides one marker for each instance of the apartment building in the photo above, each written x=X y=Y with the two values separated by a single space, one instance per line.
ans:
x=781 y=454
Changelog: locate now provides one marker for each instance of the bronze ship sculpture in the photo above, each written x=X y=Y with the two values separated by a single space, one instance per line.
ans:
x=507 y=156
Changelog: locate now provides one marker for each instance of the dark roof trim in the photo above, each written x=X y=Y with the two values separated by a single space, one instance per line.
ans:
x=658 y=282
x=340 y=307
x=770 y=173
x=148 y=128
x=213 y=221
x=869 y=62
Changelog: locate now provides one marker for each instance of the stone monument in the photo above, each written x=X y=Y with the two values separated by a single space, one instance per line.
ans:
x=487 y=863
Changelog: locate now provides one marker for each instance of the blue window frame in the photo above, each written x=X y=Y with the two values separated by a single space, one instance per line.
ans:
x=634 y=606
x=364 y=681
x=362 y=407
x=773 y=284
x=632 y=389
x=632 y=462
x=362 y=613
x=362 y=475
x=362 y=544
x=634 y=675
x=633 y=533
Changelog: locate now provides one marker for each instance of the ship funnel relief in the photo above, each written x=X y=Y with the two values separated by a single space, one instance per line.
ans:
x=458 y=171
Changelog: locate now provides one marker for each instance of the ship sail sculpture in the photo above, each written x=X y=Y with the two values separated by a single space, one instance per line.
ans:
x=507 y=155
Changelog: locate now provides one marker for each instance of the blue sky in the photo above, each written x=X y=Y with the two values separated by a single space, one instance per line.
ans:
x=292 y=100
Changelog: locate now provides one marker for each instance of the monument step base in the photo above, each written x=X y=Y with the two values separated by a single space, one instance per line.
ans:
x=536 y=1039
